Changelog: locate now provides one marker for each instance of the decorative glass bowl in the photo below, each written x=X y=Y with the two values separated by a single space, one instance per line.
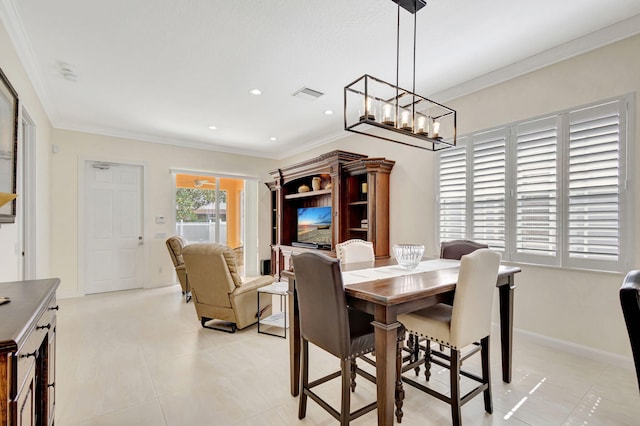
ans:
x=408 y=255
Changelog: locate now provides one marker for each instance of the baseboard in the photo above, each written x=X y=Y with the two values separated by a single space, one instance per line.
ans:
x=161 y=284
x=73 y=294
x=576 y=349
x=68 y=294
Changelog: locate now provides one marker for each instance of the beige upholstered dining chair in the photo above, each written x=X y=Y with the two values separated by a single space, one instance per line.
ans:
x=355 y=250
x=223 y=300
x=453 y=249
x=327 y=322
x=175 y=245
x=458 y=326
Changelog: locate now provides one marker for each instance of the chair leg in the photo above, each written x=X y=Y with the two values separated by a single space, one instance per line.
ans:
x=486 y=374
x=454 y=371
x=304 y=378
x=416 y=351
x=353 y=367
x=427 y=360
x=345 y=405
x=399 y=389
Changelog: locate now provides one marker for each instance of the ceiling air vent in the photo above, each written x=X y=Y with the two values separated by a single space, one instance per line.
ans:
x=307 y=94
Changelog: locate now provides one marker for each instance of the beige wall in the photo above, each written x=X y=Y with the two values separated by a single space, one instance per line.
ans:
x=580 y=307
x=576 y=306
x=10 y=262
x=158 y=160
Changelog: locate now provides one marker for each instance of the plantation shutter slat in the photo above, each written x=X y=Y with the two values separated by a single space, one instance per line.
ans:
x=536 y=190
x=489 y=189
x=453 y=192
x=594 y=183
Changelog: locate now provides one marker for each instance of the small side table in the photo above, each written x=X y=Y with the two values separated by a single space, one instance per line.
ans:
x=279 y=320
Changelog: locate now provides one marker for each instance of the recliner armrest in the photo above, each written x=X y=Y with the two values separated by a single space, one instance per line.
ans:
x=253 y=283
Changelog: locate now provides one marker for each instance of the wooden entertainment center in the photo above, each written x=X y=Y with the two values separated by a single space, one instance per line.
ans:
x=355 y=186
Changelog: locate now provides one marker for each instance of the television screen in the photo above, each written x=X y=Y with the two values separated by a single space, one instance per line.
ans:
x=314 y=225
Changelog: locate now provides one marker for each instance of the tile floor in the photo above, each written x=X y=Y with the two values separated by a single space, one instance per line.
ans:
x=141 y=358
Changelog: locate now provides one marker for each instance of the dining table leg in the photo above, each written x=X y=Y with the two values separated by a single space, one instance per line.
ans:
x=506 y=293
x=386 y=336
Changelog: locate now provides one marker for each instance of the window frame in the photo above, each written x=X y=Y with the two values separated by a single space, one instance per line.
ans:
x=561 y=258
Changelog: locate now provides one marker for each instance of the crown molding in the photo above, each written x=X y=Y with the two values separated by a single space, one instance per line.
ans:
x=23 y=49
x=605 y=36
x=314 y=143
x=208 y=146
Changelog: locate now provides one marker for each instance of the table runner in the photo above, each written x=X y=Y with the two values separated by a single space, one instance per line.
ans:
x=372 y=274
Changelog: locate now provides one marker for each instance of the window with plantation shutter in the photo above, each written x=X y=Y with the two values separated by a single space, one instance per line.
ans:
x=594 y=177
x=453 y=192
x=549 y=191
x=536 y=200
x=489 y=189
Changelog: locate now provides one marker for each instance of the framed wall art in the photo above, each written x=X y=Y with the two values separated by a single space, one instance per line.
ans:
x=8 y=149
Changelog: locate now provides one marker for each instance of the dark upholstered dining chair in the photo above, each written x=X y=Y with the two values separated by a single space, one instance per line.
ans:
x=630 y=302
x=455 y=249
x=327 y=322
x=459 y=326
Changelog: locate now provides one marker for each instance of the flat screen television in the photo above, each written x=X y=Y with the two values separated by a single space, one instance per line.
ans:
x=314 y=225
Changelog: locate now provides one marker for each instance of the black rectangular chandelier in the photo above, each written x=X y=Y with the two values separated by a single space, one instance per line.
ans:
x=383 y=110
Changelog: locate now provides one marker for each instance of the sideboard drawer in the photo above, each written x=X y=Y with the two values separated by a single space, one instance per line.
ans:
x=28 y=353
x=26 y=356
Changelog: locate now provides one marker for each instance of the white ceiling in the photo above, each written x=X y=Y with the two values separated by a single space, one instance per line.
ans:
x=165 y=70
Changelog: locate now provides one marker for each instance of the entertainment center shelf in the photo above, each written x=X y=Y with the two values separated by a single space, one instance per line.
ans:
x=350 y=189
x=307 y=194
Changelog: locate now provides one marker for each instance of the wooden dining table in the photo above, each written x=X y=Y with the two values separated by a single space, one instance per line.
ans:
x=385 y=299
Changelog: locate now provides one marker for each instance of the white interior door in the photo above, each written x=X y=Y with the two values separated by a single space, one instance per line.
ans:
x=114 y=227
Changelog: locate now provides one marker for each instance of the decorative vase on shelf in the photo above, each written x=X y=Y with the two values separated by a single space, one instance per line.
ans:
x=303 y=188
x=315 y=183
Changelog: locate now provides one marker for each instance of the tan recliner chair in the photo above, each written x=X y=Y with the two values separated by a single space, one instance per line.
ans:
x=219 y=292
x=175 y=245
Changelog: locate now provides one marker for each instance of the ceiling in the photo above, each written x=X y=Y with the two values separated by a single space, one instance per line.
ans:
x=166 y=70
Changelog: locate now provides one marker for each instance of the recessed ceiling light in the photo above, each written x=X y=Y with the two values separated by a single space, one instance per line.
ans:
x=273 y=139
x=255 y=91
x=213 y=127
x=328 y=112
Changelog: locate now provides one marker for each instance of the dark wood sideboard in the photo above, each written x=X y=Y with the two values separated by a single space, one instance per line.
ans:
x=27 y=352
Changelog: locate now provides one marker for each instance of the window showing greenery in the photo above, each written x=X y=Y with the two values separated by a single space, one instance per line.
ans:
x=197 y=205
x=210 y=209
x=549 y=191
